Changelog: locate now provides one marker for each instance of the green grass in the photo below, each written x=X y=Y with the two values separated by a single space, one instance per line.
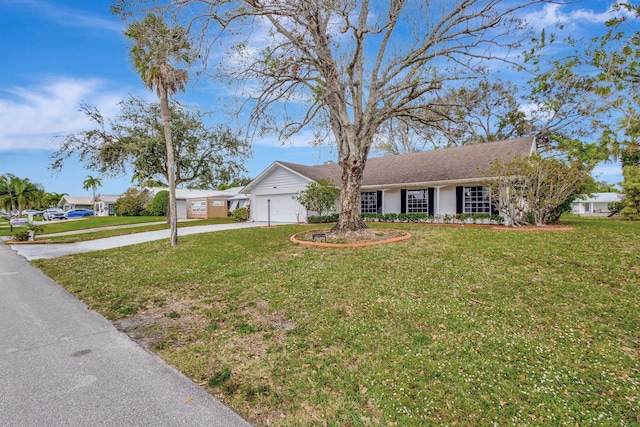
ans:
x=456 y=326
x=99 y=222
x=59 y=226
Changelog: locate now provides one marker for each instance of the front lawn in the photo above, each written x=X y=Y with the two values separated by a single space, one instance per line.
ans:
x=58 y=226
x=459 y=326
x=104 y=224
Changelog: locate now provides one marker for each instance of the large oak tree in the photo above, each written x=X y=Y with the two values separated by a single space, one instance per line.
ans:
x=354 y=65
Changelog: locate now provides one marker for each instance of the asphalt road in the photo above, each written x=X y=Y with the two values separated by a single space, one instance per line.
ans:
x=63 y=364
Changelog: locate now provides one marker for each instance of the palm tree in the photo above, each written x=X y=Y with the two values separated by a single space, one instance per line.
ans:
x=91 y=183
x=18 y=193
x=156 y=50
x=50 y=200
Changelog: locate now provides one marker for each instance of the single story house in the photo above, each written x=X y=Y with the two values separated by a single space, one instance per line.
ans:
x=595 y=204
x=104 y=204
x=437 y=182
x=67 y=203
x=190 y=201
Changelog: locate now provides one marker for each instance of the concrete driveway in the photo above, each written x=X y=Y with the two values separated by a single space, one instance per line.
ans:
x=35 y=251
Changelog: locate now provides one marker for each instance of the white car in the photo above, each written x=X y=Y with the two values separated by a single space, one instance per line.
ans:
x=53 y=213
x=33 y=212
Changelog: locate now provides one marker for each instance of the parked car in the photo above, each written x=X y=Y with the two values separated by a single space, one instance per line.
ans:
x=78 y=213
x=33 y=212
x=4 y=215
x=53 y=213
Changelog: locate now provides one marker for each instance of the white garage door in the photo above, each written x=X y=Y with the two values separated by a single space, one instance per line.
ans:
x=283 y=208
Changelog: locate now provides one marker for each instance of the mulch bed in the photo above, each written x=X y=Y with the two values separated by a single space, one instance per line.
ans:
x=365 y=237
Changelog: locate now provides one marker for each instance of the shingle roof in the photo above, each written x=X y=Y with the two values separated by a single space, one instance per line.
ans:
x=448 y=164
x=77 y=200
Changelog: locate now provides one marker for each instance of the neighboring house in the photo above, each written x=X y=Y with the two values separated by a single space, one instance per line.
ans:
x=595 y=204
x=104 y=204
x=189 y=201
x=75 y=202
x=437 y=182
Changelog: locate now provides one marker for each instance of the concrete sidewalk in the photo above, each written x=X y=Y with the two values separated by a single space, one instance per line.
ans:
x=37 y=251
x=63 y=364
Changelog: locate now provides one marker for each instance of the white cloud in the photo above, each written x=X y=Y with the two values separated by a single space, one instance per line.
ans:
x=31 y=117
x=556 y=14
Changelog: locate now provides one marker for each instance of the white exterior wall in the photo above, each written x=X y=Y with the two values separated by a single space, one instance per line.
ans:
x=181 y=207
x=447 y=200
x=391 y=201
x=278 y=186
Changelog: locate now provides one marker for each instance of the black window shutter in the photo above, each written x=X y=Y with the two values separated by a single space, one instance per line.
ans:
x=459 y=199
x=403 y=201
x=379 y=201
x=431 y=202
x=494 y=211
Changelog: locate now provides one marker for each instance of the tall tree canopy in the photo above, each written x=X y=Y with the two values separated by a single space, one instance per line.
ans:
x=203 y=156
x=356 y=65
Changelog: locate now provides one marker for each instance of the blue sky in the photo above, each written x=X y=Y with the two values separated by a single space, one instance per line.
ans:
x=57 y=54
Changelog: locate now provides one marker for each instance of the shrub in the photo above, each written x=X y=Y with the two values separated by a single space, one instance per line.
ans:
x=34 y=228
x=21 y=236
x=318 y=197
x=389 y=217
x=241 y=214
x=159 y=205
x=131 y=203
x=314 y=219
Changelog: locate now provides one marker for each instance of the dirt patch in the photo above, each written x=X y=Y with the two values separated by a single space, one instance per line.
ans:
x=155 y=324
x=364 y=237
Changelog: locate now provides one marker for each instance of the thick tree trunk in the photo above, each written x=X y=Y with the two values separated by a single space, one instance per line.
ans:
x=166 y=121
x=350 y=218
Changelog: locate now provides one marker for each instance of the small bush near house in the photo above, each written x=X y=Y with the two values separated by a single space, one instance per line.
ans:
x=241 y=214
x=158 y=206
x=132 y=203
x=21 y=236
x=324 y=219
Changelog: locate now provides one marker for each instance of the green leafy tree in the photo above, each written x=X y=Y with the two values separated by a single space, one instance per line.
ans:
x=631 y=189
x=391 y=60
x=158 y=206
x=203 y=156
x=50 y=200
x=17 y=194
x=92 y=183
x=319 y=196
x=156 y=52
x=131 y=203
x=602 y=76
x=238 y=182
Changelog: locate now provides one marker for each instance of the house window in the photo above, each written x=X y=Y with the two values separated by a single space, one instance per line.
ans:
x=369 y=202
x=418 y=201
x=476 y=200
